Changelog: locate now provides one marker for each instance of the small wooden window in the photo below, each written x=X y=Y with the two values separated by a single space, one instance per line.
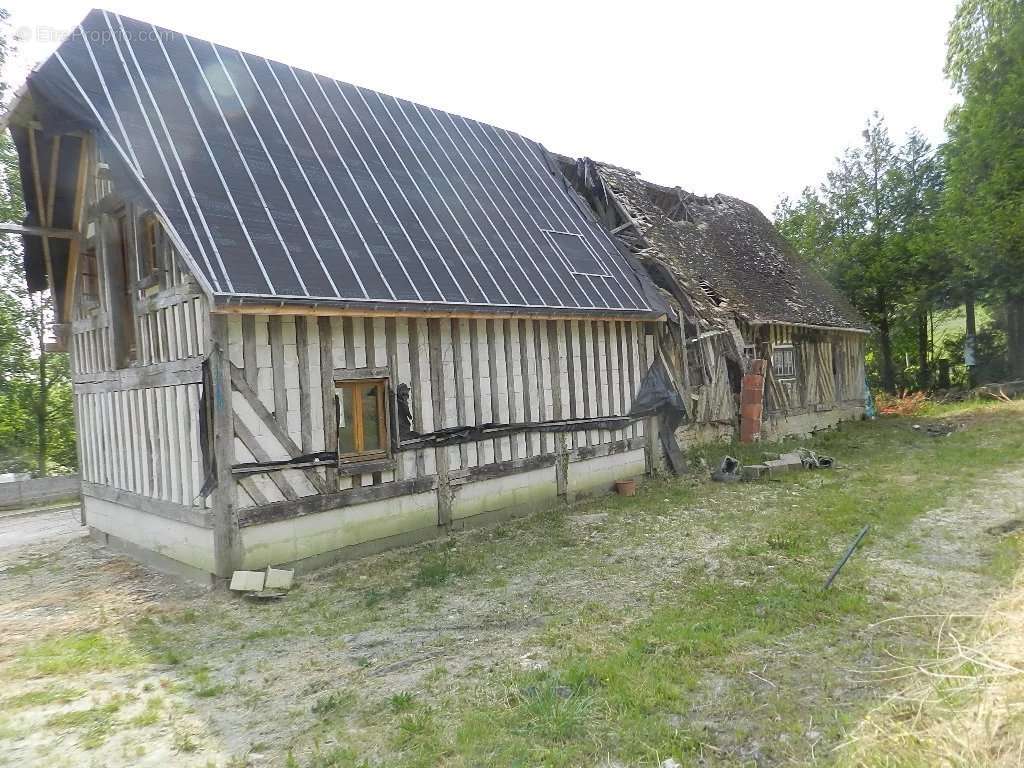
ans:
x=784 y=361
x=151 y=231
x=362 y=419
x=89 y=278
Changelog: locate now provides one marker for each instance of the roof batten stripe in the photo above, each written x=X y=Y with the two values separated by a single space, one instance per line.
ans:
x=401 y=192
x=547 y=222
x=501 y=262
x=387 y=202
x=163 y=158
x=387 y=239
x=426 y=202
x=110 y=100
x=213 y=161
x=245 y=163
x=330 y=178
x=277 y=172
x=501 y=213
x=303 y=190
x=430 y=178
x=138 y=177
x=316 y=153
x=628 y=278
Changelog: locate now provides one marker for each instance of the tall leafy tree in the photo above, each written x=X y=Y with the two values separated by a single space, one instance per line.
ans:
x=872 y=228
x=984 y=203
x=36 y=415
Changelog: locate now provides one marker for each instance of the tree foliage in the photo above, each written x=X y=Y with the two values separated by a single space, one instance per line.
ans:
x=36 y=414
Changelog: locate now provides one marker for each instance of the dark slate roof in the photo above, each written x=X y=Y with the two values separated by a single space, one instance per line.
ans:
x=280 y=184
x=725 y=252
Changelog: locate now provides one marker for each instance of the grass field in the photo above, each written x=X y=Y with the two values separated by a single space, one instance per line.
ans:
x=687 y=623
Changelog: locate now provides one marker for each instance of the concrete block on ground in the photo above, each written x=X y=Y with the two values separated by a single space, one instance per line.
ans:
x=247 y=581
x=753 y=472
x=278 y=578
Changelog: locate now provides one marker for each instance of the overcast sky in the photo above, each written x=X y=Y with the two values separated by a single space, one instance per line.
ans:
x=753 y=99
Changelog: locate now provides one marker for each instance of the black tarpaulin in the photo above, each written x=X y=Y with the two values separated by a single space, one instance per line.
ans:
x=658 y=394
x=280 y=183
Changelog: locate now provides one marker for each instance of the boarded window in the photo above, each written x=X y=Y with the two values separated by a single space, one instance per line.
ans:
x=577 y=254
x=362 y=419
x=784 y=361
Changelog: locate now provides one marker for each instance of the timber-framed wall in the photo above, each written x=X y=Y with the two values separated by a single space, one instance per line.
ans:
x=209 y=433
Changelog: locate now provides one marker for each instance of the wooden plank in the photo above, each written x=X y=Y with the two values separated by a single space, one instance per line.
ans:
x=253 y=490
x=327 y=397
x=474 y=366
x=513 y=416
x=350 y=309
x=414 y=386
x=273 y=426
x=249 y=350
x=173 y=373
x=542 y=381
x=571 y=375
x=460 y=386
x=78 y=206
x=305 y=391
x=524 y=357
x=223 y=501
x=277 y=366
x=444 y=499
x=252 y=444
x=492 y=374
x=391 y=341
x=40 y=203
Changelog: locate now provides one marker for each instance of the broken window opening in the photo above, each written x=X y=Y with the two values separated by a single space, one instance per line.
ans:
x=362 y=419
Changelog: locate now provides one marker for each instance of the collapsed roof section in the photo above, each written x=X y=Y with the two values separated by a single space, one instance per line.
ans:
x=723 y=253
x=281 y=185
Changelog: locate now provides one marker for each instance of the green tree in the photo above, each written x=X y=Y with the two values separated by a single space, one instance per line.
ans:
x=984 y=202
x=872 y=228
x=36 y=412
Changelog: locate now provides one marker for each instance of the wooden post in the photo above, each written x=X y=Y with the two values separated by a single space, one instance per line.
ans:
x=225 y=520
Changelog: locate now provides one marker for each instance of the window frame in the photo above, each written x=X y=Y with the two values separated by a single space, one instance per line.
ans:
x=89 y=284
x=782 y=375
x=149 y=265
x=564 y=257
x=357 y=386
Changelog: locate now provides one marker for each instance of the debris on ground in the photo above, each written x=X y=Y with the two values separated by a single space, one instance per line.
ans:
x=904 y=403
x=812 y=460
x=846 y=556
x=247 y=581
x=939 y=429
x=728 y=471
x=279 y=578
x=272 y=583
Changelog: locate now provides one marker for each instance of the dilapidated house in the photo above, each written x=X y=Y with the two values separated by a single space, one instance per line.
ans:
x=738 y=293
x=308 y=319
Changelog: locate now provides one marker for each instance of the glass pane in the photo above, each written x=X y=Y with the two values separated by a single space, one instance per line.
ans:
x=371 y=417
x=346 y=422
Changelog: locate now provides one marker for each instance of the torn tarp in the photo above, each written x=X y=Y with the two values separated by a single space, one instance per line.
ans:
x=658 y=394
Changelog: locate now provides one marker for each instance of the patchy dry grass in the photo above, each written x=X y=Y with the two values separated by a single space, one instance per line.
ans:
x=686 y=622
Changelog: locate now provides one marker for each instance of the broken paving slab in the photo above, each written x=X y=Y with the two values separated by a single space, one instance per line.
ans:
x=279 y=578
x=247 y=581
x=752 y=472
